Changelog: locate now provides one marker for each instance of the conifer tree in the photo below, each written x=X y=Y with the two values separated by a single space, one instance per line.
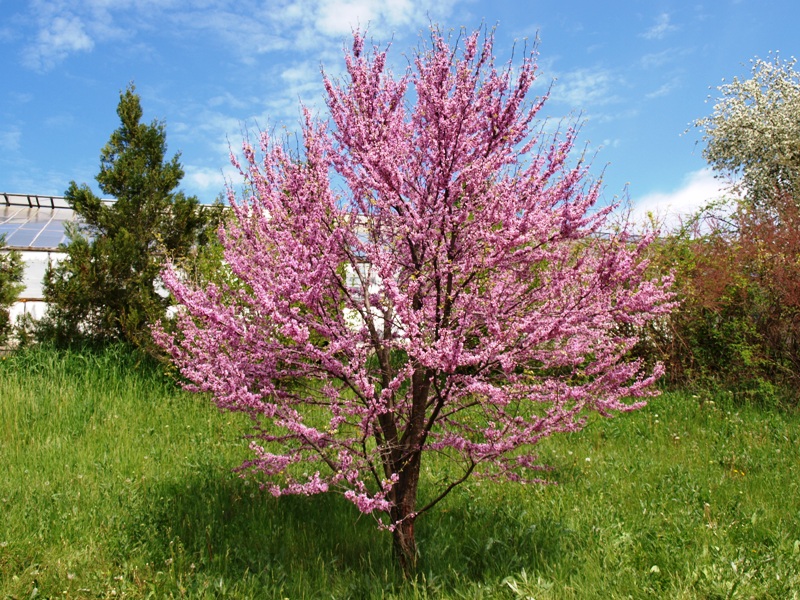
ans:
x=107 y=287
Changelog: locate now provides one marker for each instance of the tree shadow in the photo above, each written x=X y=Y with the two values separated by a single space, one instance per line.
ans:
x=480 y=538
x=218 y=526
x=228 y=522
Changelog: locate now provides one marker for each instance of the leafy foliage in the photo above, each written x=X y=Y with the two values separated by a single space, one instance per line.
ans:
x=11 y=271
x=738 y=269
x=107 y=287
x=739 y=321
x=450 y=296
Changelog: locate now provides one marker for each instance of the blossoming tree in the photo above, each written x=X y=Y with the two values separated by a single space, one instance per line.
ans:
x=753 y=133
x=427 y=275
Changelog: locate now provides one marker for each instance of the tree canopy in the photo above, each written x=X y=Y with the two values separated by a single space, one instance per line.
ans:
x=753 y=133
x=426 y=276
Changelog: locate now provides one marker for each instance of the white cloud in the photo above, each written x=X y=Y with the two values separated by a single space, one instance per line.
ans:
x=664 y=89
x=670 y=56
x=620 y=115
x=610 y=143
x=248 y=28
x=339 y=17
x=245 y=35
x=319 y=26
x=660 y=29
x=213 y=129
x=203 y=181
x=10 y=140
x=62 y=36
x=697 y=189
x=585 y=88
x=302 y=83
x=20 y=97
x=230 y=100
x=27 y=177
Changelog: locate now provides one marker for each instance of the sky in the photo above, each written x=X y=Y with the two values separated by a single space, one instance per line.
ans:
x=634 y=74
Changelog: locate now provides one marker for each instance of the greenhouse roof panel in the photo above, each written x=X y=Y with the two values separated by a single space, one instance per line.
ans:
x=34 y=222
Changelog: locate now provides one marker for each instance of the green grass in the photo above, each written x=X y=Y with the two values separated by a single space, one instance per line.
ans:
x=115 y=484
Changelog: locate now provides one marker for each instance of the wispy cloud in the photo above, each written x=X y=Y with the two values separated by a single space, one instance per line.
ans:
x=247 y=32
x=248 y=28
x=301 y=34
x=664 y=89
x=207 y=182
x=10 y=140
x=64 y=35
x=670 y=56
x=661 y=28
x=207 y=127
x=58 y=29
x=586 y=88
x=338 y=17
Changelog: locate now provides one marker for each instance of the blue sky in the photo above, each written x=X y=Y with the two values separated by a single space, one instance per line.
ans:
x=637 y=72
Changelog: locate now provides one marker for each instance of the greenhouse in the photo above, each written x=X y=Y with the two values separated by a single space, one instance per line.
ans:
x=34 y=225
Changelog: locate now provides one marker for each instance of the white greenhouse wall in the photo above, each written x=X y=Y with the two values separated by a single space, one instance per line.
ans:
x=30 y=300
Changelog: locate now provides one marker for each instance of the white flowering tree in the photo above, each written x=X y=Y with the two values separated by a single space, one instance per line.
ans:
x=753 y=133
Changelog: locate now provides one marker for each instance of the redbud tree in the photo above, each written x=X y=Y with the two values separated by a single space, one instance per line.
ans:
x=427 y=274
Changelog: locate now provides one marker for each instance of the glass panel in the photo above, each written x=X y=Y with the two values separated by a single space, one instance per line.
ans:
x=42 y=227
x=49 y=239
x=19 y=239
x=7 y=229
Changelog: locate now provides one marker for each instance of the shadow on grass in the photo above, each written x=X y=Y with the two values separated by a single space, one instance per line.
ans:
x=219 y=528
x=229 y=527
x=485 y=536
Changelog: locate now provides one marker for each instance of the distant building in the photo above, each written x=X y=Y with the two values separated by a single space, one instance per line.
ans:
x=34 y=225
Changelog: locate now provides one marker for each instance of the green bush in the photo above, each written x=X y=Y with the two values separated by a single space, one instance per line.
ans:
x=738 y=324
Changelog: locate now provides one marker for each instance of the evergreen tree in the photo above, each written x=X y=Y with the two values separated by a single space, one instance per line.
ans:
x=107 y=287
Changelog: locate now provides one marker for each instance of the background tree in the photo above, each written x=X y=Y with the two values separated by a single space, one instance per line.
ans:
x=446 y=292
x=753 y=133
x=11 y=271
x=107 y=287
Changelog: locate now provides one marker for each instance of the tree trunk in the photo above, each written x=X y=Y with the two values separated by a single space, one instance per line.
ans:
x=404 y=459
x=405 y=546
x=403 y=515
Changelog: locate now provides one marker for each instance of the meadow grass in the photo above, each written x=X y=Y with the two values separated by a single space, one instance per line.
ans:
x=113 y=483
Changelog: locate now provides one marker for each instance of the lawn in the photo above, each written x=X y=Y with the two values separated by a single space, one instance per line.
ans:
x=115 y=484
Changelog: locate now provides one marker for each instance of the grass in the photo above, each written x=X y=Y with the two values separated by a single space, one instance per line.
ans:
x=115 y=484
